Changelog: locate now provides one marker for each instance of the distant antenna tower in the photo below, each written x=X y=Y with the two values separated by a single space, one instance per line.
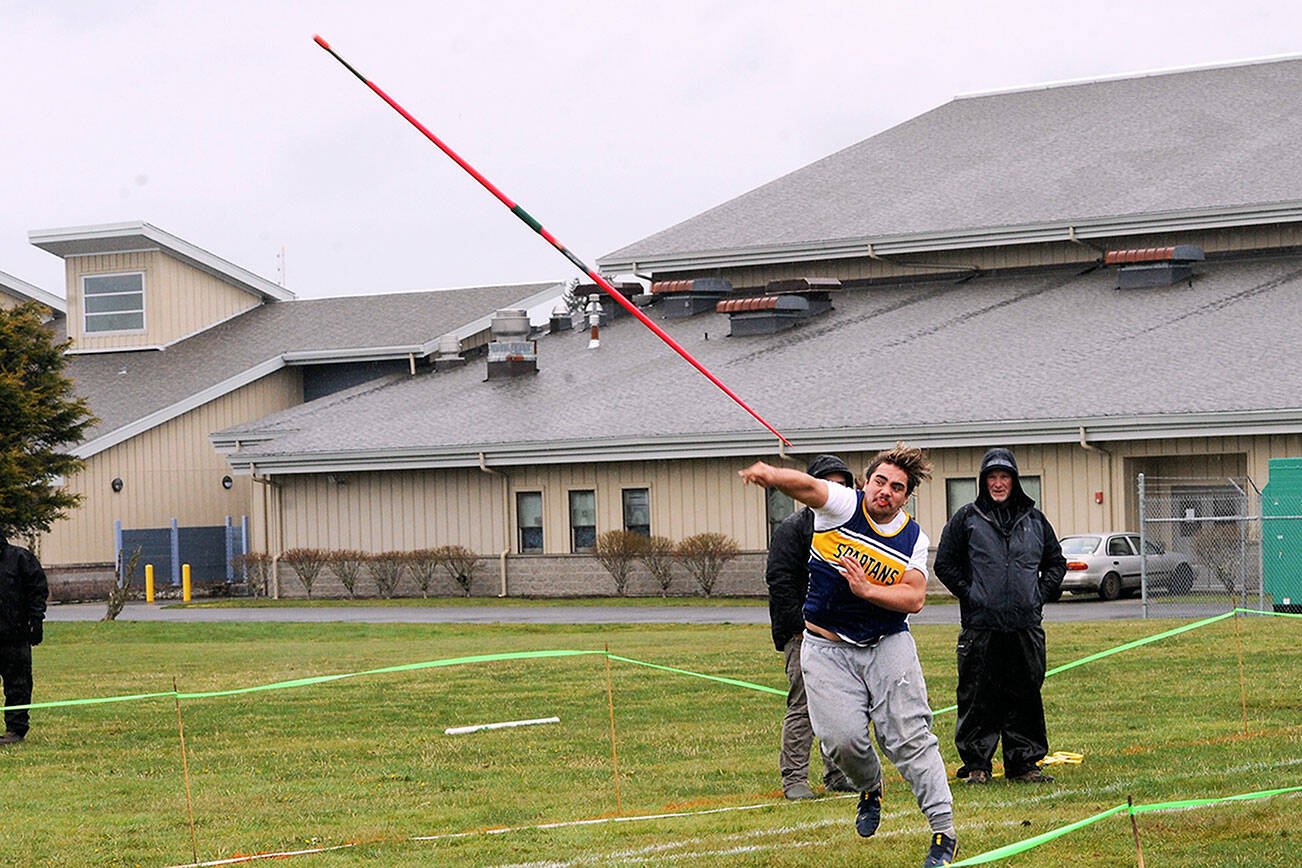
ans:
x=280 y=265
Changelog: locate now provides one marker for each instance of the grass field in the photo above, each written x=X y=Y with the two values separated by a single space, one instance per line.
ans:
x=365 y=760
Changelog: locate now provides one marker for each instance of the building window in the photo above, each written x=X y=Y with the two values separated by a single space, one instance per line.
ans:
x=777 y=507
x=637 y=511
x=113 y=302
x=528 y=520
x=583 y=520
x=959 y=492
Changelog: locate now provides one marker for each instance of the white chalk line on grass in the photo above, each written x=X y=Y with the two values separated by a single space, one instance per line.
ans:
x=285 y=854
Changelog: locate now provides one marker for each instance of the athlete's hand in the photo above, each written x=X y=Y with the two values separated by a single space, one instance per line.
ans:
x=855 y=577
x=759 y=473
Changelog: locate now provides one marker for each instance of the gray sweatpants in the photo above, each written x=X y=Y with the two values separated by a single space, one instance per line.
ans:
x=848 y=686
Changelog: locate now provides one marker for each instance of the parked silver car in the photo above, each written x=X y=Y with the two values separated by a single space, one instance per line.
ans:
x=1109 y=564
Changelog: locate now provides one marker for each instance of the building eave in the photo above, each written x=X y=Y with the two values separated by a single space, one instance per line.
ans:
x=76 y=241
x=934 y=242
x=21 y=287
x=749 y=444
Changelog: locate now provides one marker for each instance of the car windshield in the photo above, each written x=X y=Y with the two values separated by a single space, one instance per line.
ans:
x=1079 y=545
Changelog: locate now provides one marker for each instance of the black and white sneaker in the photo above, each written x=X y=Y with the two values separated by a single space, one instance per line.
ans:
x=869 y=815
x=942 y=851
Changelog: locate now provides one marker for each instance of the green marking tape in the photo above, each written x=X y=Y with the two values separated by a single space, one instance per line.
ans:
x=748 y=685
x=1033 y=842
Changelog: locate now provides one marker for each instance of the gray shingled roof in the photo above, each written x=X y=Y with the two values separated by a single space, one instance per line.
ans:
x=1220 y=139
x=125 y=387
x=1031 y=355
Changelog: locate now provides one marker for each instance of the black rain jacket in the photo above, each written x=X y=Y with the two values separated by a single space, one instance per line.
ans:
x=23 y=590
x=1002 y=562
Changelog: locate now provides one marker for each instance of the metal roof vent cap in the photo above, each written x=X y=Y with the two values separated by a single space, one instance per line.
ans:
x=1154 y=266
x=510 y=324
x=448 y=354
x=561 y=320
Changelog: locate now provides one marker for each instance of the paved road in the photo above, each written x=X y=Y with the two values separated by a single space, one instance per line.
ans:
x=1070 y=609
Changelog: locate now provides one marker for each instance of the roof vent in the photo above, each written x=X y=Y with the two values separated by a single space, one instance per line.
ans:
x=510 y=353
x=684 y=298
x=561 y=319
x=611 y=309
x=786 y=303
x=1154 y=266
x=448 y=355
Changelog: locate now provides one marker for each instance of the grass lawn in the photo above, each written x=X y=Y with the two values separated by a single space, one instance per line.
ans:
x=366 y=760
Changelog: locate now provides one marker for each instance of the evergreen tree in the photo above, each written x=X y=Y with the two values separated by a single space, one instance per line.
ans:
x=39 y=416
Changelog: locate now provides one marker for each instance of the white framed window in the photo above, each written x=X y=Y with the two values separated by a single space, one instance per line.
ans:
x=529 y=520
x=637 y=510
x=583 y=520
x=113 y=302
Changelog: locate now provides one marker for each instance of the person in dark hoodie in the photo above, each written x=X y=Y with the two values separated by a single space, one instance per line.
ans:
x=23 y=590
x=787 y=575
x=1000 y=556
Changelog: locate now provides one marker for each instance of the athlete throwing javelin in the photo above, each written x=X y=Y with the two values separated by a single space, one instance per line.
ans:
x=867 y=573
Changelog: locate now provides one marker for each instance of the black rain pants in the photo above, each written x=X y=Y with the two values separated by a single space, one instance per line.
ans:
x=16 y=673
x=999 y=679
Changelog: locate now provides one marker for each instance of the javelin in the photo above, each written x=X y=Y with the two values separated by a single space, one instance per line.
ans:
x=537 y=227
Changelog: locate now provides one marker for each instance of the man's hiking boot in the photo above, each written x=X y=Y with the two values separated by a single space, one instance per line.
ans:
x=942 y=851
x=977 y=776
x=869 y=815
x=795 y=792
x=11 y=738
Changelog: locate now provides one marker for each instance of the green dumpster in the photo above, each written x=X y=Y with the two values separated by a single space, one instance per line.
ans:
x=1281 y=532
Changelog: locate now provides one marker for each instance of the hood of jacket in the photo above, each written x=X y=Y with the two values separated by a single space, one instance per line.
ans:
x=823 y=466
x=1001 y=459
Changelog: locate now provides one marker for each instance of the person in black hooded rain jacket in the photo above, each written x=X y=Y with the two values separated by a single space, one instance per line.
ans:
x=23 y=590
x=787 y=575
x=1001 y=558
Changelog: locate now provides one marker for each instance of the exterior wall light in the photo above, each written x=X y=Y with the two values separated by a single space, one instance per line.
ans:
x=116 y=484
x=227 y=482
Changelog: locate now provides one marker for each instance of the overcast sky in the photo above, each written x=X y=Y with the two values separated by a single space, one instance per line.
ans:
x=226 y=125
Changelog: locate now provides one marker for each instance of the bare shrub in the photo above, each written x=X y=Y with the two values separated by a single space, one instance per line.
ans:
x=616 y=550
x=307 y=564
x=423 y=564
x=387 y=569
x=704 y=556
x=460 y=562
x=256 y=569
x=122 y=575
x=347 y=565
x=657 y=556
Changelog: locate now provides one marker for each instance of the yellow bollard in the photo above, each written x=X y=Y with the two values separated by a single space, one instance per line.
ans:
x=149 y=583
x=185 y=583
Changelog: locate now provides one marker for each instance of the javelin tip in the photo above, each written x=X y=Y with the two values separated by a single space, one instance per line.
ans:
x=321 y=42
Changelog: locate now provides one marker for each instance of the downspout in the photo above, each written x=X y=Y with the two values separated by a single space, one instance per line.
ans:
x=1090 y=447
x=506 y=518
x=268 y=485
x=1071 y=236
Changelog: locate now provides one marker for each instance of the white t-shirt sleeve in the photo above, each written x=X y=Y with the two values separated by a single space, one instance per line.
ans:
x=840 y=507
x=918 y=560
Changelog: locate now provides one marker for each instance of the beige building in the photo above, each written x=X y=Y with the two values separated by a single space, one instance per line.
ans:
x=170 y=343
x=946 y=282
x=1104 y=276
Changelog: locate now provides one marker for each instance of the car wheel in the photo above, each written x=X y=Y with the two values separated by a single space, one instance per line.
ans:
x=1110 y=587
x=1182 y=579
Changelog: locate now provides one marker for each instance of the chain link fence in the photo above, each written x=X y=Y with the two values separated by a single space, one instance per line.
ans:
x=1202 y=546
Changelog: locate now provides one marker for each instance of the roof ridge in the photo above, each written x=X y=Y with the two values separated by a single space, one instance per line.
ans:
x=1125 y=76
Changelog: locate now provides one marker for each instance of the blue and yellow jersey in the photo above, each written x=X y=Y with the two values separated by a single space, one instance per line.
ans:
x=885 y=558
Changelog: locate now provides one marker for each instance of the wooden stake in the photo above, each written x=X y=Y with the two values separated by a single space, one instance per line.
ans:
x=185 y=765
x=614 y=755
x=1134 y=828
x=1243 y=690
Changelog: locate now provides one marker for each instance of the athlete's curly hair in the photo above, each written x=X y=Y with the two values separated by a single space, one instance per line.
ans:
x=914 y=462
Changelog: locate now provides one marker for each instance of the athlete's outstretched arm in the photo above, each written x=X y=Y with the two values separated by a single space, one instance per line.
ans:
x=793 y=483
